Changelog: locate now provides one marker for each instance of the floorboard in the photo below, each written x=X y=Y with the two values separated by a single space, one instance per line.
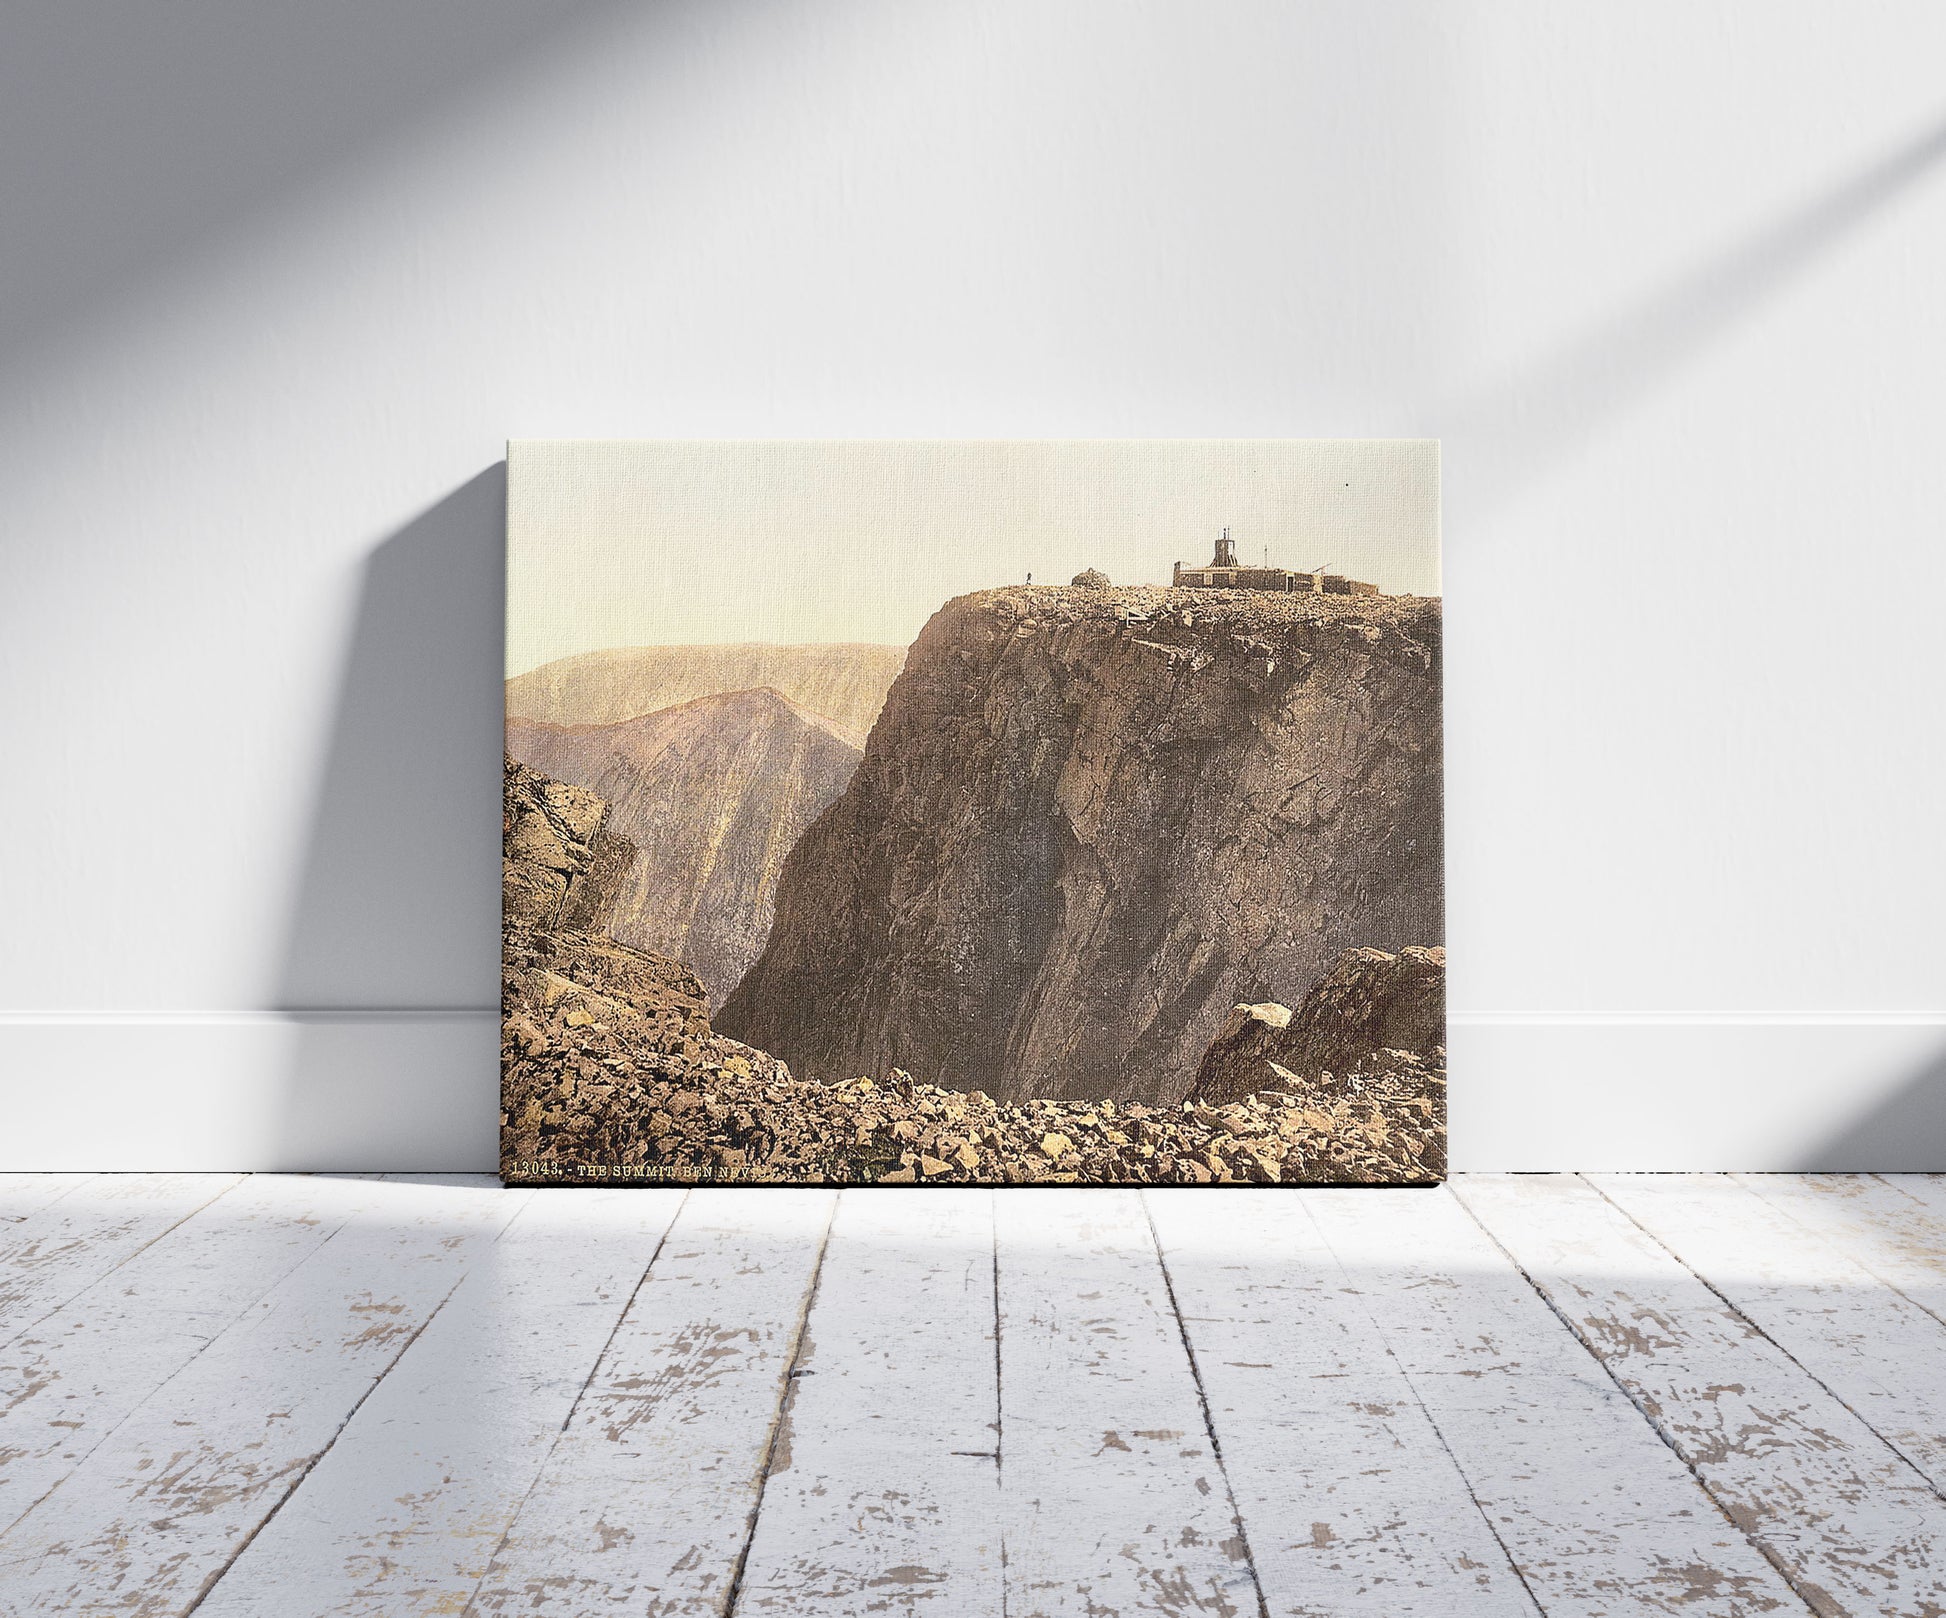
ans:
x=23 y=1194
x=1894 y=1225
x=1114 y=1499
x=158 y=1510
x=1351 y=1502
x=647 y=1500
x=1596 y=1511
x=1847 y=1519
x=72 y=1378
x=405 y=1511
x=884 y=1492
x=69 y=1242
x=1870 y=1346
x=1533 y=1396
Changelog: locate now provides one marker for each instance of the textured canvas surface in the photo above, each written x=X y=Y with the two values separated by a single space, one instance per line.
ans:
x=996 y=812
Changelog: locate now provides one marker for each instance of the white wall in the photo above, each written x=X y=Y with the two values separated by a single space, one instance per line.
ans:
x=279 y=281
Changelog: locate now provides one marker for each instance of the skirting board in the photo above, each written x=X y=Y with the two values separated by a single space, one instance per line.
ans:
x=250 y=1090
x=1698 y=1094
x=416 y=1090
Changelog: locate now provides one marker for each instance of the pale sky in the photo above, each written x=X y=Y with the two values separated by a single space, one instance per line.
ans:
x=696 y=542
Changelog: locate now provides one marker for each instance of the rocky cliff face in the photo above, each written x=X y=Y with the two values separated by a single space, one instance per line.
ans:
x=712 y=794
x=1089 y=822
x=846 y=684
x=560 y=864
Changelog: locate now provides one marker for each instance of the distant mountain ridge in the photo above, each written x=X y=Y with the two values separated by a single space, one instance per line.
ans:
x=713 y=792
x=844 y=683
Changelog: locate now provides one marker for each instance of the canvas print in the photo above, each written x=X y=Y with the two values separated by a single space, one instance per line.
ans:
x=1006 y=813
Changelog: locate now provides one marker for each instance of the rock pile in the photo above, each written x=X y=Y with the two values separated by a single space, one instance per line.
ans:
x=593 y=1035
x=613 y=1111
x=583 y=1019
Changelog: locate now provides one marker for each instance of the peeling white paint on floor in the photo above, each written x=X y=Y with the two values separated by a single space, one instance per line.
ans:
x=292 y=1395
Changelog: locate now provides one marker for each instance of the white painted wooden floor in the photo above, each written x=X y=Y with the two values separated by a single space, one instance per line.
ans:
x=1566 y=1395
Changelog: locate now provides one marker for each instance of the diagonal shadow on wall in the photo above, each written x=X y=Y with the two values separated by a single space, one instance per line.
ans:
x=1903 y=1134
x=1508 y=435
x=136 y=140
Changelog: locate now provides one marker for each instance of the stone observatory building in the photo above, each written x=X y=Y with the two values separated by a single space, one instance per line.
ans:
x=1226 y=573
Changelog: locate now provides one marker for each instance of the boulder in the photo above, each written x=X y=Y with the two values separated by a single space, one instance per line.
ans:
x=1372 y=1013
x=1241 y=1059
x=1369 y=1001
